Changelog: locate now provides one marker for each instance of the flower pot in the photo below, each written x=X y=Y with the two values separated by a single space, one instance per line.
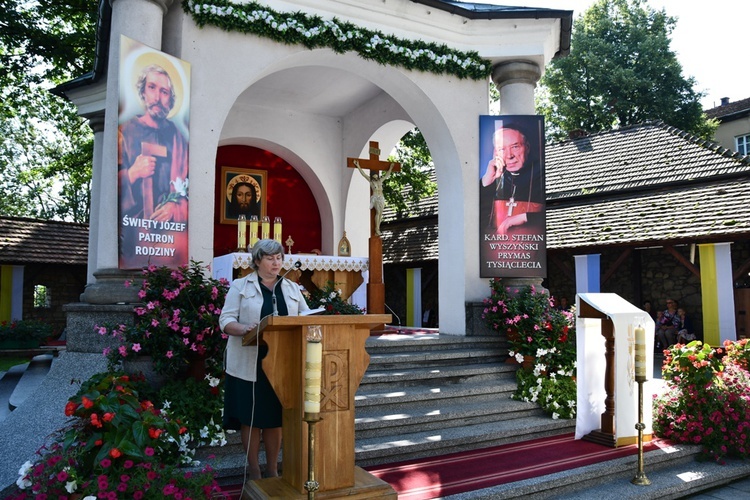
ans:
x=144 y=365
x=528 y=363
x=197 y=366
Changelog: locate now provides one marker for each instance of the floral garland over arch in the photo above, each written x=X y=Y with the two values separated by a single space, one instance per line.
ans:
x=315 y=32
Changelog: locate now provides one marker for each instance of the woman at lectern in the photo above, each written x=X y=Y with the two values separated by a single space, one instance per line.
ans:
x=250 y=404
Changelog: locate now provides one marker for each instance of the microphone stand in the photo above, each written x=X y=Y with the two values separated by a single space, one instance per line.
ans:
x=296 y=265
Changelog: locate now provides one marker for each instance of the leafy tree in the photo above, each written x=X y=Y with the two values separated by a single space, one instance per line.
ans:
x=403 y=189
x=620 y=71
x=45 y=148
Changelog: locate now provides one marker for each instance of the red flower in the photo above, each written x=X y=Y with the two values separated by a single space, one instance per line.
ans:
x=87 y=403
x=154 y=433
x=115 y=453
x=108 y=417
x=70 y=408
x=95 y=420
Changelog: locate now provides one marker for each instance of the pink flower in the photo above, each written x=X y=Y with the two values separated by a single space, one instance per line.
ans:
x=123 y=350
x=105 y=463
x=170 y=354
x=149 y=451
x=137 y=347
x=62 y=476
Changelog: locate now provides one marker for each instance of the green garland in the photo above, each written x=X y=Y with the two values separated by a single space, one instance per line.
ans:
x=316 y=32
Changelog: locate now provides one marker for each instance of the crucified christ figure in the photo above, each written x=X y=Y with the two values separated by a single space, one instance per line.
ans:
x=377 y=200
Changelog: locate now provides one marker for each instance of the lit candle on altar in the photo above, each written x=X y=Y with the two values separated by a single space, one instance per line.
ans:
x=277 y=229
x=640 y=353
x=253 y=229
x=241 y=232
x=313 y=365
x=265 y=227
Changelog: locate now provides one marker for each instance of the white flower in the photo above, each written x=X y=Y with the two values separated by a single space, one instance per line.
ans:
x=25 y=468
x=71 y=486
x=519 y=357
x=555 y=416
x=166 y=405
x=181 y=186
x=204 y=432
x=212 y=381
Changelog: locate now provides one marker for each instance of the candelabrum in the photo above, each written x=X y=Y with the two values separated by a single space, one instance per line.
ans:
x=640 y=478
x=313 y=373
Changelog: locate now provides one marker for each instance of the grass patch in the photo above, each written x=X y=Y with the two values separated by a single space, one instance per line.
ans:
x=6 y=363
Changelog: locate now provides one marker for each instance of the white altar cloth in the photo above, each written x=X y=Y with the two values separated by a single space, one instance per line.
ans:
x=224 y=265
x=591 y=365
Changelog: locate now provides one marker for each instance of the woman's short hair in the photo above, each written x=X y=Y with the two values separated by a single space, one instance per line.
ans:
x=263 y=248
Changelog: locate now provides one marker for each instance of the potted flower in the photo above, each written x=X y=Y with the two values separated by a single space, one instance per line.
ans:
x=329 y=297
x=177 y=323
x=23 y=334
x=707 y=398
x=542 y=340
x=117 y=445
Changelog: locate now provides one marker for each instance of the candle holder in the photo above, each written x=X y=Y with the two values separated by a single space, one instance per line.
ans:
x=277 y=229
x=640 y=478
x=313 y=373
x=311 y=485
x=253 y=231
x=265 y=227
x=241 y=233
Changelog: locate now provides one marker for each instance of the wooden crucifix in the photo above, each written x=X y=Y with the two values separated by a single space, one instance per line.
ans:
x=375 y=286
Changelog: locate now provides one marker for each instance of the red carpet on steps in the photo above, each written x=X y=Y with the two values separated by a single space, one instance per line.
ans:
x=473 y=470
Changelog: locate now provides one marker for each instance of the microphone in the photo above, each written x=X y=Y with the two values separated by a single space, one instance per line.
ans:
x=296 y=265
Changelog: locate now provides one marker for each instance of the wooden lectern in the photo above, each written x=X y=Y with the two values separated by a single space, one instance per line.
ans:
x=344 y=363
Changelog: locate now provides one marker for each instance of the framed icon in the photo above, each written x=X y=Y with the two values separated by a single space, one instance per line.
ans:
x=243 y=191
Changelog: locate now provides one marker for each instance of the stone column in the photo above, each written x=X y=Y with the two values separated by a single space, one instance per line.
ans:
x=516 y=80
x=140 y=20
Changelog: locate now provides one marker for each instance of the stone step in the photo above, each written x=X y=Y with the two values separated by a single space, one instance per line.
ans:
x=492 y=387
x=385 y=380
x=408 y=446
x=33 y=375
x=432 y=416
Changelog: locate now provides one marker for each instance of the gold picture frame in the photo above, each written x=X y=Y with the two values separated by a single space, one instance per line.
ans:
x=254 y=182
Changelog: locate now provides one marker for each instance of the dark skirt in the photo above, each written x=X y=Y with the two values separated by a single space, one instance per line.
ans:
x=238 y=400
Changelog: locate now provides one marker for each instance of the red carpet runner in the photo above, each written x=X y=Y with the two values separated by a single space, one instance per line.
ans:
x=473 y=470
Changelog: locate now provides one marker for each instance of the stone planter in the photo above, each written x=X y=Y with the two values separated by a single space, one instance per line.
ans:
x=145 y=365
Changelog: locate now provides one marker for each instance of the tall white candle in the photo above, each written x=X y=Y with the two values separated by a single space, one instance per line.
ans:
x=640 y=353
x=253 y=229
x=313 y=369
x=277 y=229
x=265 y=227
x=241 y=232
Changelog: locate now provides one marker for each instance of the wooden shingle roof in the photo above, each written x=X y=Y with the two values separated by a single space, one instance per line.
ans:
x=641 y=185
x=32 y=241
x=412 y=238
x=644 y=184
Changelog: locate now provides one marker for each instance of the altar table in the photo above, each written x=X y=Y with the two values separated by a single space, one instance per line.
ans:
x=315 y=271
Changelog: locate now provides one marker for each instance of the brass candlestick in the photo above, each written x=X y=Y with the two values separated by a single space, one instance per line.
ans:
x=311 y=485
x=640 y=477
x=641 y=359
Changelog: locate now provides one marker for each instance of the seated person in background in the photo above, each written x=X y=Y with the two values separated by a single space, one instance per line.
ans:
x=649 y=309
x=668 y=325
x=685 y=333
x=562 y=304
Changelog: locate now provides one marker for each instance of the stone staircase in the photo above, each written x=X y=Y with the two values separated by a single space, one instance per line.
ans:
x=427 y=394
